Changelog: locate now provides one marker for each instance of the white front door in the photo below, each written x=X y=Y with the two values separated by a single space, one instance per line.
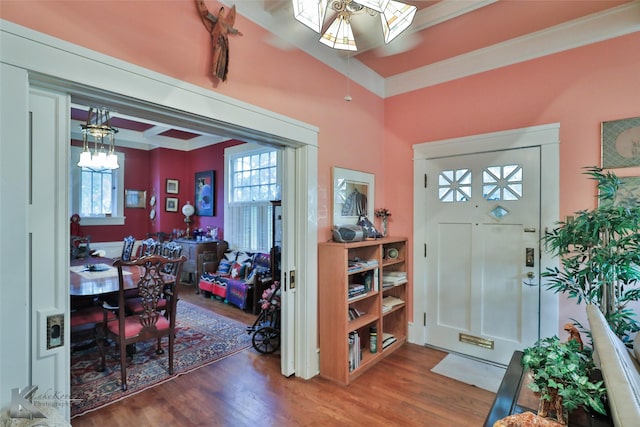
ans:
x=483 y=234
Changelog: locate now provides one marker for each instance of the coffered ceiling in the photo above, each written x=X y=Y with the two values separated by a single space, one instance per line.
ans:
x=449 y=39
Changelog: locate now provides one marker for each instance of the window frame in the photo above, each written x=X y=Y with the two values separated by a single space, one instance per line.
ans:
x=230 y=154
x=75 y=176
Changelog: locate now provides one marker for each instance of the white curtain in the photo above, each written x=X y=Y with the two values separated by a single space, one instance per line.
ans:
x=248 y=226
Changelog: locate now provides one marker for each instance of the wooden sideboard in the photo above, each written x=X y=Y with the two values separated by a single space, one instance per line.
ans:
x=191 y=249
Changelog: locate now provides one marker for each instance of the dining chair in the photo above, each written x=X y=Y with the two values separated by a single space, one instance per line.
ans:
x=149 y=246
x=170 y=250
x=127 y=248
x=153 y=322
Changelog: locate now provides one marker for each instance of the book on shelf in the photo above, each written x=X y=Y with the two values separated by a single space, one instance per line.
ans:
x=394 y=277
x=356 y=289
x=391 y=301
x=387 y=340
x=355 y=352
x=354 y=313
x=358 y=264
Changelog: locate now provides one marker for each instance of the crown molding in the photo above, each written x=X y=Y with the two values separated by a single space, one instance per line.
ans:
x=594 y=28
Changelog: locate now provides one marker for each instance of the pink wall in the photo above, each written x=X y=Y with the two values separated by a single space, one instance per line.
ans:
x=578 y=89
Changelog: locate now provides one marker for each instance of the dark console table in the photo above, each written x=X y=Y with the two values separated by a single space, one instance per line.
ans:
x=515 y=397
x=191 y=249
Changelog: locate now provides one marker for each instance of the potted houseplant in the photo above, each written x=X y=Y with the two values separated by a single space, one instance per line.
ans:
x=599 y=252
x=561 y=374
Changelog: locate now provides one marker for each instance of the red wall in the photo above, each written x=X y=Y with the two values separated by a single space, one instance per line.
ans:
x=149 y=170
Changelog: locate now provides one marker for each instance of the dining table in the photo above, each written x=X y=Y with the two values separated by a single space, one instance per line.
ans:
x=97 y=276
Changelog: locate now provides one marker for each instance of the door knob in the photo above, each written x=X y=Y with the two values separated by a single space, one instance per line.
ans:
x=530 y=276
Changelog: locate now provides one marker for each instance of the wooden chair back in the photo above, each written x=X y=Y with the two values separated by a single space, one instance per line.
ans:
x=148 y=247
x=159 y=295
x=127 y=248
x=170 y=250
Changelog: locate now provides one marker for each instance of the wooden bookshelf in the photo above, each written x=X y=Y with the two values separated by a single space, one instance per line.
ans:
x=337 y=276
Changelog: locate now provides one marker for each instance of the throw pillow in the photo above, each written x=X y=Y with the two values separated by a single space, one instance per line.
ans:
x=243 y=257
x=237 y=270
x=224 y=267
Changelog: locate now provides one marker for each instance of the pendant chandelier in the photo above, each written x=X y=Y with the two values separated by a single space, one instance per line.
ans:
x=395 y=17
x=97 y=132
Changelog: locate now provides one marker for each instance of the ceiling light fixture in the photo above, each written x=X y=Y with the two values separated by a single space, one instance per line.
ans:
x=98 y=127
x=395 y=17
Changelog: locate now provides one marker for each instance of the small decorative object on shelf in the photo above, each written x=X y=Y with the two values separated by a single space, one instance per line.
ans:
x=384 y=214
x=373 y=339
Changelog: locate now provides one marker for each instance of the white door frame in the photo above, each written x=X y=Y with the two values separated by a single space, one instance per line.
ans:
x=547 y=137
x=48 y=63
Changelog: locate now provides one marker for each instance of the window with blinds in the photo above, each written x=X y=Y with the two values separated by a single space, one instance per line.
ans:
x=253 y=177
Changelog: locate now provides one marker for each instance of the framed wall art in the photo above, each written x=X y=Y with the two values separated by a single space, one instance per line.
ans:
x=135 y=199
x=621 y=143
x=353 y=193
x=205 y=193
x=629 y=192
x=173 y=186
x=171 y=204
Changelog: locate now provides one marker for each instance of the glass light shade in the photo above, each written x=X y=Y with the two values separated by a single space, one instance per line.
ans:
x=100 y=160
x=310 y=13
x=396 y=18
x=97 y=127
x=112 y=161
x=188 y=210
x=377 y=5
x=339 y=34
x=85 y=159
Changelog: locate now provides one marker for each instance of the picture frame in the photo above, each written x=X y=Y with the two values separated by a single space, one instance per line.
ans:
x=628 y=194
x=171 y=204
x=621 y=143
x=351 y=189
x=205 y=193
x=173 y=186
x=135 y=199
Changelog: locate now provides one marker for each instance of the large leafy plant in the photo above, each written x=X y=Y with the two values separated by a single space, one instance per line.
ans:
x=561 y=374
x=599 y=252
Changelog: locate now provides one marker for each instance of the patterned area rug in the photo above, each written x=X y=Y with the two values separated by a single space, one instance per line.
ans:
x=202 y=338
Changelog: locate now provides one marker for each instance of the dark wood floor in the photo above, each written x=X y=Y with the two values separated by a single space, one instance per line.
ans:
x=247 y=389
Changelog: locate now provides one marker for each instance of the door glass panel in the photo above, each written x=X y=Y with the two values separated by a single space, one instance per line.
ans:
x=502 y=182
x=454 y=185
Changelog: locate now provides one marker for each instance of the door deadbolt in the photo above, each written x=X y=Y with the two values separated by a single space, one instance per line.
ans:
x=529 y=257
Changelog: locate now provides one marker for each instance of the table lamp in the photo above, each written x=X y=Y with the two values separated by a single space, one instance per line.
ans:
x=188 y=210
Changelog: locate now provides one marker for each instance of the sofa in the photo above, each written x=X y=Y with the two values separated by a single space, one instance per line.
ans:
x=238 y=278
x=620 y=369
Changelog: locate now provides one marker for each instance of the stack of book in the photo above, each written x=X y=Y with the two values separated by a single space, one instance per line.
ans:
x=393 y=278
x=356 y=289
x=389 y=302
x=355 y=352
x=361 y=264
